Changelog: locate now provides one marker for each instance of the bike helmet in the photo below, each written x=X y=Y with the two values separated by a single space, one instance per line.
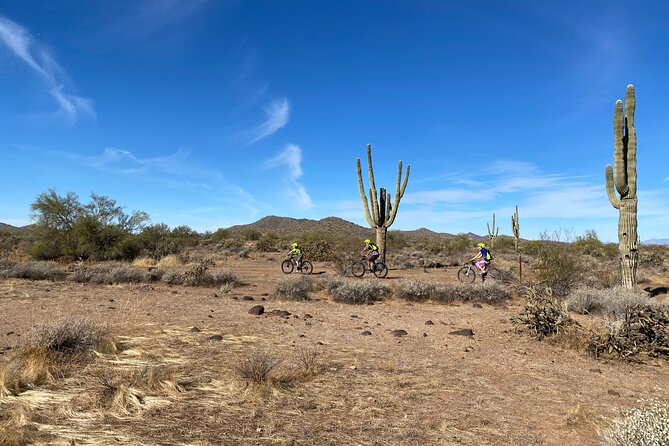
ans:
x=294 y=245
x=367 y=241
x=480 y=245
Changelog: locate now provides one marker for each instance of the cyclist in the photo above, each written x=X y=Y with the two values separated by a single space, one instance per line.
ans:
x=371 y=253
x=296 y=254
x=485 y=259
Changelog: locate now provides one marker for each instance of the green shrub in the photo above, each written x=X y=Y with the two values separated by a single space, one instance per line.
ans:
x=648 y=426
x=358 y=291
x=558 y=267
x=291 y=288
x=589 y=244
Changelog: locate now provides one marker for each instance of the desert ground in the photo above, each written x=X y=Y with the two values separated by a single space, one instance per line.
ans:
x=332 y=385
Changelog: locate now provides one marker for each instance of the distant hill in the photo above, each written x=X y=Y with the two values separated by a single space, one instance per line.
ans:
x=329 y=225
x=656 y=241
x=6 y=227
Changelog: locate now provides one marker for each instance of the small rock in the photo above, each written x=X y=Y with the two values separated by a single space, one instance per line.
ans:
x=613 y=392
x=354 y=316
x=475 y=305
x=247 y=298
x=596 y=370
x=215 y=295
x=281 y=313
x=467 y=349
x=195 y=330
x=112 y=308
x=265 y=294
x=429 y=323
x=257 y=310
x=10 y=333
x=262 y=298
x=302 y=335
x=463 y=332
x=215 y=338
x=366 y=333
x=110 y=300
x=210 y=316
x=307 y=316
x=425 y=335
x=399 y=333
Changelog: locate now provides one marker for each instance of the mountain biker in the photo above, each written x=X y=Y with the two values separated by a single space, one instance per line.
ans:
x=485 y=259
x=371 y=252
x=296 y=254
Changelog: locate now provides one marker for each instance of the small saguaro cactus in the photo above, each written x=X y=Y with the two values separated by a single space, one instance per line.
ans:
x=383 y=209
x=492 y=232
x=622 y=177
x=515 y=228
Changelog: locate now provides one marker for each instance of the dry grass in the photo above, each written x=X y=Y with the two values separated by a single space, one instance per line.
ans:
x=293 y=288
x=144 y=262
x=357 y=292
x=168 y=261
x=616 y=300
x=39 y=270
x=257 y=367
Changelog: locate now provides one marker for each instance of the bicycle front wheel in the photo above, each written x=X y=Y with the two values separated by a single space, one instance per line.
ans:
x=466 y=274
x=358 y=269
x=380 y=270
x=307 y=267
x=287 y=266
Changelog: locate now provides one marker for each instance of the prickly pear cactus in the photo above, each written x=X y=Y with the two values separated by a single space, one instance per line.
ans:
x=621 y=178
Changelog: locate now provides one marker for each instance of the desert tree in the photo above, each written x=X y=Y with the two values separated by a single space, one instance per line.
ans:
x=380 y=209
x=622 y=178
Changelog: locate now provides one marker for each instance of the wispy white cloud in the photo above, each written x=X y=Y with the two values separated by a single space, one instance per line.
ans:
x=277 y=115
x=291 y=158
x=149 y=16
x=20 y=42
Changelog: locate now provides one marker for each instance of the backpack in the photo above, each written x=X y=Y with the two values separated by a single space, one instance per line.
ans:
x=373 y=247
x=487 y=255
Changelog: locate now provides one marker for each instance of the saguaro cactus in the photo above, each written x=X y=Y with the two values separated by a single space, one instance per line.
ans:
x=515 y=227
x=492 y=232
x=623 y=177
x=383 y=210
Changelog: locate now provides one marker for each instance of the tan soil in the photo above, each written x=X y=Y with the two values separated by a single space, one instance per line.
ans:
x=498 y=387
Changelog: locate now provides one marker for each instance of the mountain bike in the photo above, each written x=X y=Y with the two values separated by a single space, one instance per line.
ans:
x=290 y=264
x=359 y=268
x=468 y=273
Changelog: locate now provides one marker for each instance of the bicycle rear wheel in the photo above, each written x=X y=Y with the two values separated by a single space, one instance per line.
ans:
x=307 y=267
x=358 y=269
x=496 y=274
x=380 y=270
x=466 y=274
x=287 y=266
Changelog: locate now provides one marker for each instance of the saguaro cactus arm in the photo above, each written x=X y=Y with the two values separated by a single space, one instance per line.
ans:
x=610 y=190
x=365 y=203
x=399 y=193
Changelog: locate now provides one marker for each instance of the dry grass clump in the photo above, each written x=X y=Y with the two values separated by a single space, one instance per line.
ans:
x=308 y=361
x=614 y=300
x=124 y=392
x=51 y=351
x=6 y=266
x=17 y=429
x=199 y=277
x=543 y=315
x=647 y=426
x=144 y=262
x=639 y=330
x=357 y=292
x=416 y=290
x=171 y=260
x=127 y=274
x=39 y=270
x=257 y=367
x=292 y=288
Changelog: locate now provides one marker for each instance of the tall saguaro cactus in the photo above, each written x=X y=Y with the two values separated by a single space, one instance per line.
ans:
x=515 y=227
x=622 y=176
x=381 y=212
x=492 y=232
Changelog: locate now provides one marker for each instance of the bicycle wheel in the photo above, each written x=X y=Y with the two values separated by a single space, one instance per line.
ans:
x=287 y=266
x=307 y=267
x=380 y=270
x=358 y=269
x=466 y=274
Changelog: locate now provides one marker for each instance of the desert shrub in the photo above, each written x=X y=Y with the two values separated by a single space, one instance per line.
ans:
x=251 y=234
x=543 y=314
x=459 y=244
x=638 y=330
x=614 y=300
x=223 y=277
x=308 y=361
x=257 y=367
x=357 y=292
x=589 y=244
x=415 y=290
x=648 y=426
x=292 y=288
x=490 y=293
x=36 y=270
x=558 y=267
x=268 y=243
x=6 y=265
x=173 y=277
x=70 y=337
x=652 y=257
x=126 y=274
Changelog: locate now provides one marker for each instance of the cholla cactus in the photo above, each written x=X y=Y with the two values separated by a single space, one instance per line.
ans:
x=492 y=232
x=622 y=176
x=382 y=213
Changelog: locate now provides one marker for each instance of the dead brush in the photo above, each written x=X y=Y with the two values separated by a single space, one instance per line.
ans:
x=17 y=429
x=124 y=392
x=257 y=367
x=543 y=315
x=295 y=289
x=308 y=362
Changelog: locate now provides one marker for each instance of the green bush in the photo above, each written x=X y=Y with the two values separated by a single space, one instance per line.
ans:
x=558 y=267
x=648 y=426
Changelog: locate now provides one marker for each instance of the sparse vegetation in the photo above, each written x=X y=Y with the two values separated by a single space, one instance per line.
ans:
x=293 y=288
x=543 y=315
x=39 y=270
x=357 y=292
x=646 y=426
x=614 y=300
x=257 y=367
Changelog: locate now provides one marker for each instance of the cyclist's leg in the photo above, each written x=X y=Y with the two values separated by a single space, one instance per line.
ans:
x=372 y=260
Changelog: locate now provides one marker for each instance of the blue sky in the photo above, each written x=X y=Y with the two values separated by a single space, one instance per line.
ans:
x=214 y=113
